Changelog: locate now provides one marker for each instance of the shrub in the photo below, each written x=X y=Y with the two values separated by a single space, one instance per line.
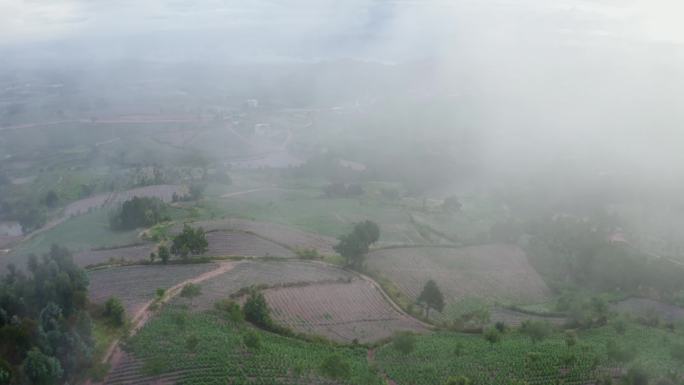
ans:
x=252 y=340
x=115 y=311
x=404 y=342
x=335 y=367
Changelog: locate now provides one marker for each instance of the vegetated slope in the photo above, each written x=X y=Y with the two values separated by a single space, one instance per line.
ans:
x=340 y=311
x=116 y=254
x=491 y=272
x=240 y=243
x=516 y=357
x=649 y=309
x=220 y=355
x=262 y=273
x=283 y=235
x=136 y=285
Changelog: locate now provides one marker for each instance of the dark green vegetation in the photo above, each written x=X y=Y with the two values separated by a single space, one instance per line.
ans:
x=227 y=351
x=138 y=212
x=520 y=358
x=354 y=246
x=45 y=330
x=190 y=242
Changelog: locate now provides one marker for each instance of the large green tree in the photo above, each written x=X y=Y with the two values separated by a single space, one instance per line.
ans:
x=355 y=245
x=431 y=298
x=191 y=241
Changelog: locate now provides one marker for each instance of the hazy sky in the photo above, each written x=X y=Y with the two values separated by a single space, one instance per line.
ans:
x=26 y=20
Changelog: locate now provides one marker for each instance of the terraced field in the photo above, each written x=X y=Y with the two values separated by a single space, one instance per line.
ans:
x=648 y=308
x=239 y=243
x=341 y=311
x=221 y=357
x=269 y=273
x=282 y=235
x=492 y=272
x=136 y=285
x=119 y=254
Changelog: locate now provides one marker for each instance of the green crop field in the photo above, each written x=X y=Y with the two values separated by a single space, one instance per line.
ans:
x=516 y=358
x=162 y=345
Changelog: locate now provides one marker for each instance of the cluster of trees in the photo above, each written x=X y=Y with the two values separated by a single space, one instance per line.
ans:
x=579 y=253
x=190 y=242
x=138 y=212
x=45 y=330
x=354 y=246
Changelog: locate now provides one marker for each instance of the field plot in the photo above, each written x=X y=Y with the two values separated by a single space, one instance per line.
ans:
x=269 y=273
x=163 y=192
x=118 y=254
x=516 y=318
x=221 y=357
x=516 y=359
x=491 y=272
x=339 y=311
x=648 y=308
x=239 y=243
x=283 y=235
x=135 y=285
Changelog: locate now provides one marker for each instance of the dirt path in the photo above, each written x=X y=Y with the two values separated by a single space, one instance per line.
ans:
x=238 y=193
x=140 y=318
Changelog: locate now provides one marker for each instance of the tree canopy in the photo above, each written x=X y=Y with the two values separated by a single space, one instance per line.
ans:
x=431 y=297
x=355 y=245
x=44 y=326
x=191 y=241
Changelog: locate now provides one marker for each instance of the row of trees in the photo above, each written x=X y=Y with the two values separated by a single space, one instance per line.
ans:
x=189 y=242
x=45 y=330
x=138 y=212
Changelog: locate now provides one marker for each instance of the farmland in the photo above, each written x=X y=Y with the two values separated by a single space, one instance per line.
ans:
x=136 y=285
x=341 y=311
x=491 y=272
x=239 y=243
x=517 y=358
x=649 y=309
x=282 y=235
x=132 y=253
x=266 y=273
x=220 y=355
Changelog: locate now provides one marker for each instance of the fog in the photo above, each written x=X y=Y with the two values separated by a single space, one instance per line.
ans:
x=174 y=162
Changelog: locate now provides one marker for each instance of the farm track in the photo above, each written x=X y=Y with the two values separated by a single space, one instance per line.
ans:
x=119 y=120
x=114 y=353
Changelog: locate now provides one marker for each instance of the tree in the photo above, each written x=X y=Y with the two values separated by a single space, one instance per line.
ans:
x=404 y=342
x=41 y=369
x=51 y=199
x=536 y=330
x=256 y=310
x=431 y=298
x=191 y=291
x=5 y=371
x=153 y=257
x=164 y=254
x=114 y=310
x=335 y=367
x=452 y=203
x=355 y=245
x=190 y=242
x=618 y=353
x=570 y=338
x=492 y=336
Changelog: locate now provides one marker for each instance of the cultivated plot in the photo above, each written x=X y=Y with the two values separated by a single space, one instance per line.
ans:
x=491 y=272
x=340 y=311
x=136 y=285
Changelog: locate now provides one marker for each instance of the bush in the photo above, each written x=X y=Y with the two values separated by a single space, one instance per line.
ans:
x=458 y=380
x=229 y=309
x=189 y=242
x=114 y=311
x=252 y=340
x=335 y=367
x=256 y=310
x=404 y=342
